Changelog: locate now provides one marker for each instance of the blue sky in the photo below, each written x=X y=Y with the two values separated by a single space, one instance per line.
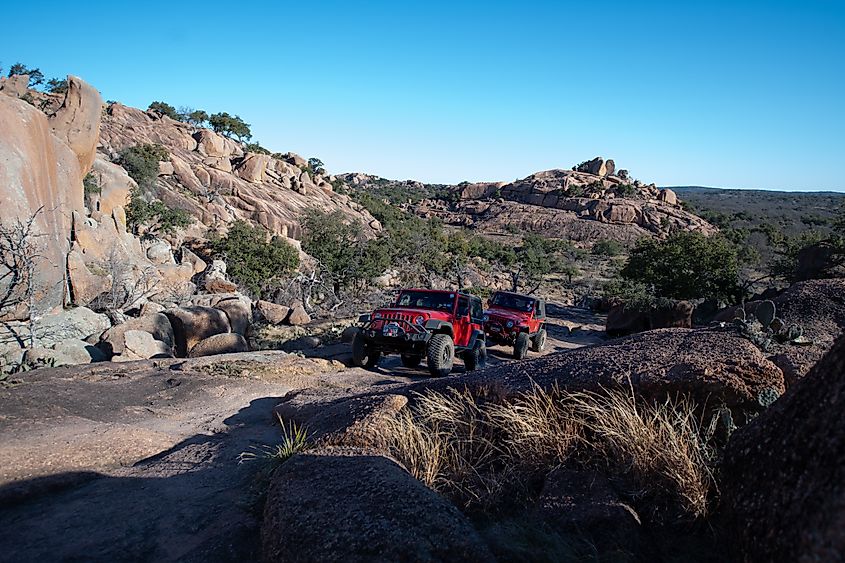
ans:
x=734 y=94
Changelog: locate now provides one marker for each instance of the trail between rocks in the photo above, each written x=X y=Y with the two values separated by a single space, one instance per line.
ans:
x=144 y=461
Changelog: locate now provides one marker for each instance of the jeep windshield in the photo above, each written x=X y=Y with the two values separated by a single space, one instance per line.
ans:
x=426 y=300
x=510 y=301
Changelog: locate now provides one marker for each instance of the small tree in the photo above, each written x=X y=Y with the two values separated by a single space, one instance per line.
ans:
x=36 y=77
x=195 y=117
x=335 y=243
x=57 y=86
x=162 y=108
x=154 y=218
x=252 y=260
x=538 y=258
x=230 y=125
x=316 y=165
x=686 y=266
x=19 y=254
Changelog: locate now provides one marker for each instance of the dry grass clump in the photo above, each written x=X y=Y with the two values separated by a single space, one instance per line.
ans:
x=473 y=451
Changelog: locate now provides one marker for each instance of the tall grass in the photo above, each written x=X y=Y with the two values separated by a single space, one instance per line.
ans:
x=473 y=451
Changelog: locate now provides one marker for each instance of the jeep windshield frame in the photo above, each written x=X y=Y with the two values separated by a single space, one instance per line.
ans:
x=512 y=301
x=429 y=300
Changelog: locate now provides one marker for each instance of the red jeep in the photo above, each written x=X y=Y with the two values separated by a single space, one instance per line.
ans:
x=516 y=320
x=424 y=323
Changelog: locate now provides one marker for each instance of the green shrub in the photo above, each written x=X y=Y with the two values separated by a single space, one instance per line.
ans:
x=627 y=190
x=153 y=218
x=195 y=117
x=608 y=247
x=316 y=165
x=686 y=266
x=256 y=148
x=91 y=184
x=141 y=163
x=252 y=260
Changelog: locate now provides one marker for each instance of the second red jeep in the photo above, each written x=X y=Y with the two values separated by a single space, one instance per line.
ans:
x=516 y=320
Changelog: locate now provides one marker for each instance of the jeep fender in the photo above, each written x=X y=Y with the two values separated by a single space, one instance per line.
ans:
x=436 y=325
x=474 y=337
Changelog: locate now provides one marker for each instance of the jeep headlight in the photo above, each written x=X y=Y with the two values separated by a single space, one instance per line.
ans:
x=510 y=324
x=377 y=316
x=485 y=318
x=419 y=320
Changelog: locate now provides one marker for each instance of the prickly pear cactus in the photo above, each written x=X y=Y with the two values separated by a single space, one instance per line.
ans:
x=766 y=313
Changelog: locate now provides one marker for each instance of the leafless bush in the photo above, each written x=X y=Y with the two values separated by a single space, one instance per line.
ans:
x=19 y=257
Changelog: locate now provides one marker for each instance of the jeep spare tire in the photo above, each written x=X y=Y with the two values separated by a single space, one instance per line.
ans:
x=520 y=347
x=477 y=357
x=538 y=343
x=362 y=353
x=440 y=355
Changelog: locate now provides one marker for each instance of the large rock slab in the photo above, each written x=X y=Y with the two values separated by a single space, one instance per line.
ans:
x=228 y=343
x=157 y=325
x=239 y=313
x=713 y=367
x=193 y=324
x=77 y=121
x=337 y=504
x=39 y=176
x=783 y=478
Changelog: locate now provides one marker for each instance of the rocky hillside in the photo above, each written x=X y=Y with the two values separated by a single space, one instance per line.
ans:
x=217 y=181
x=590 y=202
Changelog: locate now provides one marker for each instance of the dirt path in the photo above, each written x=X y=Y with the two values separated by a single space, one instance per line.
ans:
x=141 y=461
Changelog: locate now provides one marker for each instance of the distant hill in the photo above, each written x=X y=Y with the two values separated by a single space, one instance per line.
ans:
x=792 y=212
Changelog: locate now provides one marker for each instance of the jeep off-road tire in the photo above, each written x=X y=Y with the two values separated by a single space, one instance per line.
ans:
x=538 y=343
x=411 y=361
x=477 y=357
x=440 y=355
x=520 y=347
x=362 y=355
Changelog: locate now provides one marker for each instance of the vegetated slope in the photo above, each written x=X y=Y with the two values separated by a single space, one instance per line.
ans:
x=791 y=212
x=218 y=180
x=590 y=202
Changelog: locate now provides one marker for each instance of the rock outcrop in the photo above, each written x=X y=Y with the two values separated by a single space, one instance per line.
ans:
x=783 y=474
x=215 y=180
x=585 y=204
x=345 y=504
x=77 y=121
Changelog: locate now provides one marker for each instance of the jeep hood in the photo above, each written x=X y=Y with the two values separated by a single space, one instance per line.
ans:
x=413 y=312
x=507 y=314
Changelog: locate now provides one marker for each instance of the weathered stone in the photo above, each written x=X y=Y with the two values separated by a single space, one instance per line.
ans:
x=239 y=313
x=373 y=507
x=668 y=196
x=218 y=285
x=211 y=144
x=271 y=312
x=298 y=316
x=193 y=324
x=229 y=343
x=158 y=325
x=140 y=345
x=77 y=121
x=78 y=323
x=783 y=473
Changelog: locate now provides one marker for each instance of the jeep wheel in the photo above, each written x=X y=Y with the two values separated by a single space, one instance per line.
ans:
x=538 y=343
x=411 y=361
x=362 y=354
x=520 y=347
x=477 y=357
x=440 y=355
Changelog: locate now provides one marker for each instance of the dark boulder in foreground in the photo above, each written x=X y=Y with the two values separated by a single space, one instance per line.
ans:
x=784 y=473
x=343 y=504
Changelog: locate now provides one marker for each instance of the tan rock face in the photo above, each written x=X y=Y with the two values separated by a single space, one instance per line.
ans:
x=39 y=173
x=14 y=86
x=272 y=313
x=668 y=196
x=77 y=121
x=253 y=166
x=220 y=344
x=193 y=324
x=211 y=144
x=114 y=183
